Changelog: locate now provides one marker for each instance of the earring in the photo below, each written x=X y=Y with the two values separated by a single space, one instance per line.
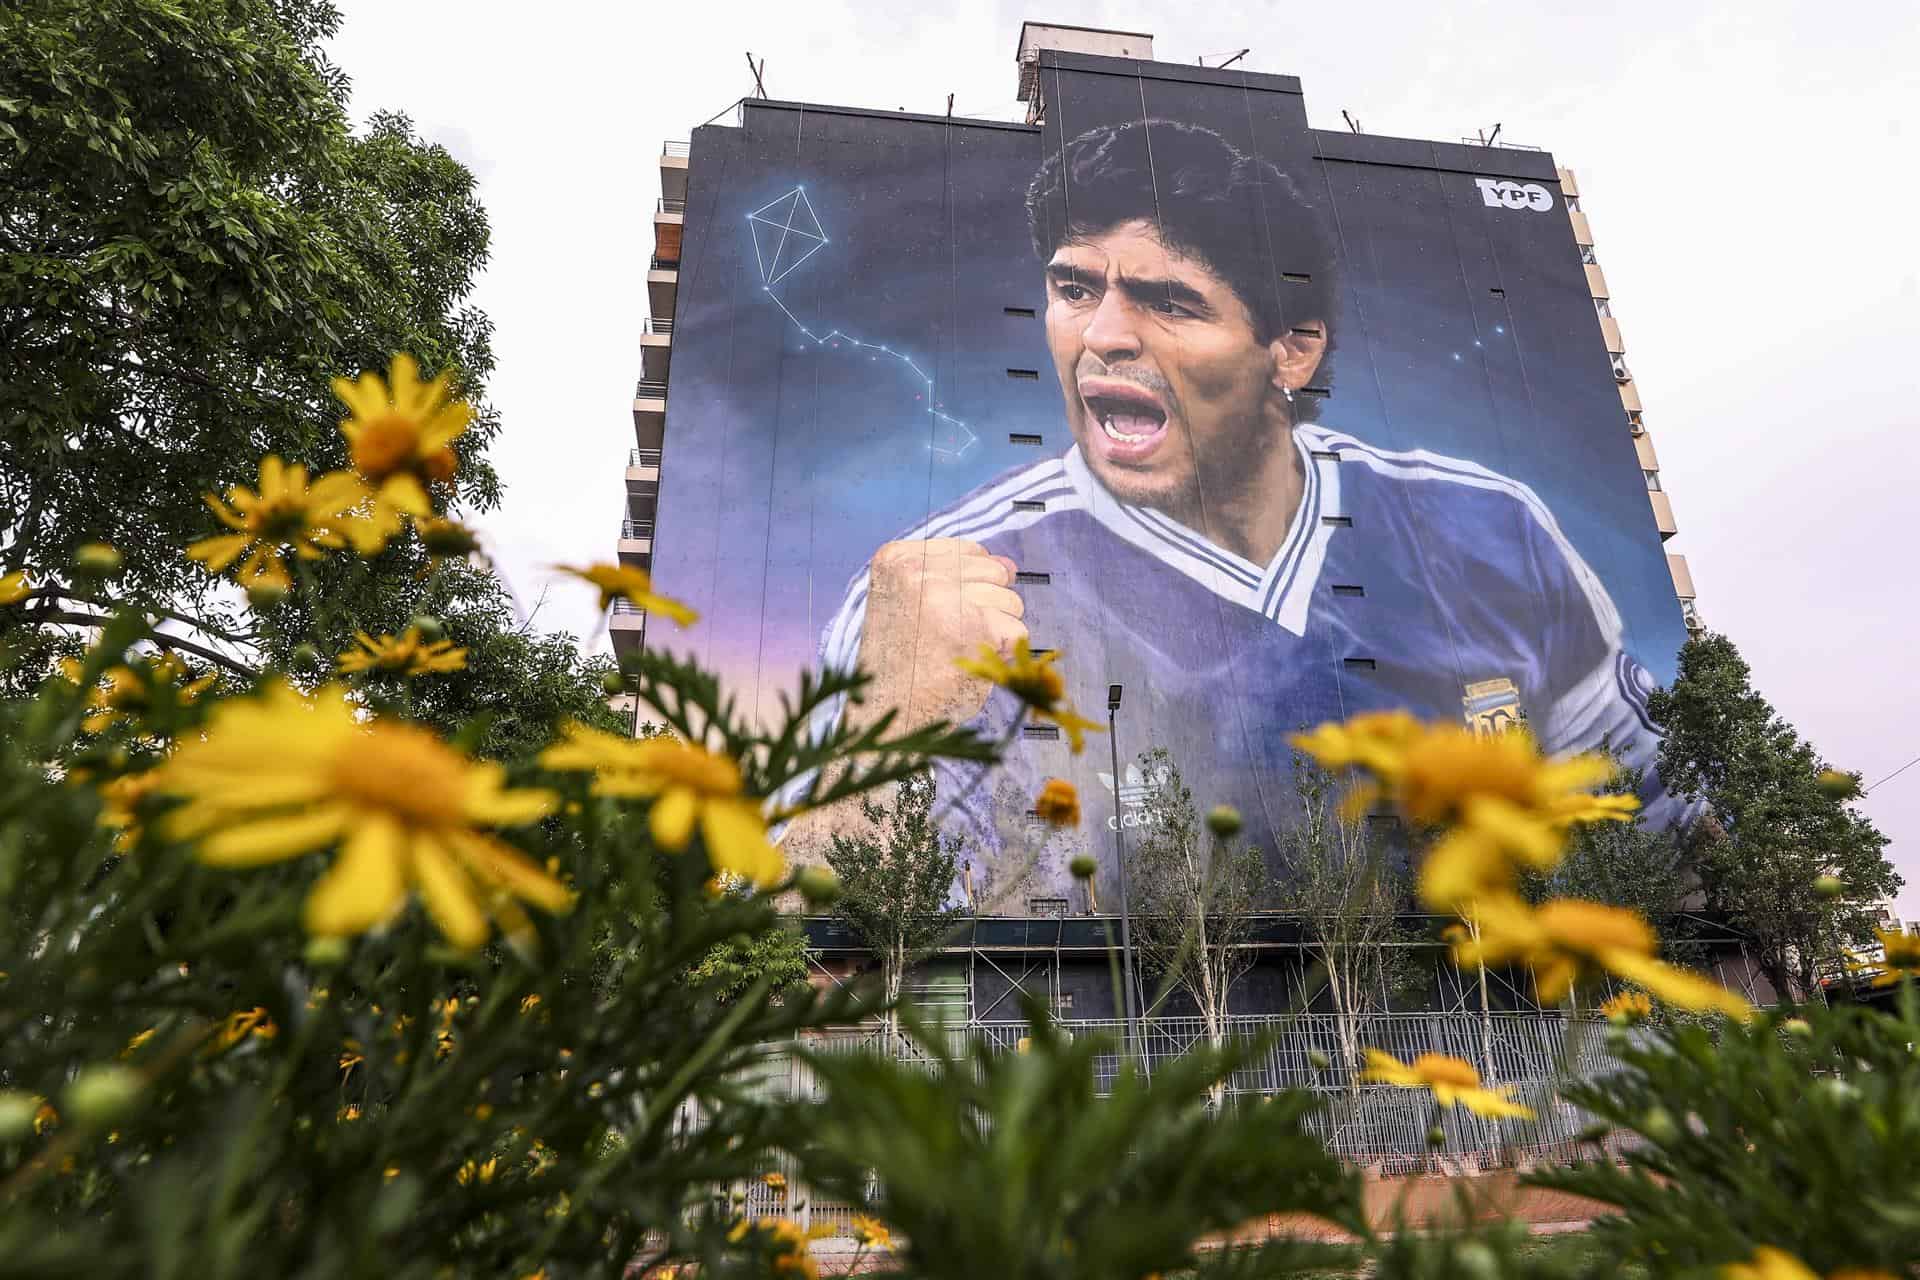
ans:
x=1289 y=391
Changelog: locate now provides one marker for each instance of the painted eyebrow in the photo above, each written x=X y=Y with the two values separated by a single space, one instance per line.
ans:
x=1146 y=289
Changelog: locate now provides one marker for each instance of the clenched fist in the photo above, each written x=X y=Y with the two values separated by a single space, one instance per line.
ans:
x=929 y=603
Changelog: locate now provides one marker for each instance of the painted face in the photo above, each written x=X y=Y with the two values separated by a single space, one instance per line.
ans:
x=1167 y=382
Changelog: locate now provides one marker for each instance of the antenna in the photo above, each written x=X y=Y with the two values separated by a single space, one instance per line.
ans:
x=1352 y=124
x=1235 y=58
x=949 y=106
x=759 y=85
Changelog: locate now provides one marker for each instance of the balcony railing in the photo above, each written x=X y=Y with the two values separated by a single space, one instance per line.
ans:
x=643 y=458
x=676 y=148
x=627 y=608
x=646 y=389
x=664 y=264
x=636 y=529
x=654 y=324
x=664 y=205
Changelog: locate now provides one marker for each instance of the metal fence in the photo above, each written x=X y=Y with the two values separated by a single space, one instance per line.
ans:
x=676 y=148
x=643 y=457
x=636 y=528
x=1379 y=1128
x=649 y=389
x=662 y=325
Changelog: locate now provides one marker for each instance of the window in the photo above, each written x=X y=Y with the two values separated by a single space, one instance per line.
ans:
x=1653 y=480
x=1587 y=255
x=1306 y=331
x=1319 y=393
x=1573 y=203
x=1498 y=293
x=1337 y=522
x=1039 y=652
x=1620 y=373
x=1032 y=579
x=1028 y=504
x=1050 y=908
x=1024 y=313
x=1048 y=732
x=1358 y=664
x=1348 y=589
x=1635 y=422
x=1026 y=375
x=1296 y=277
x=1603 y=306
x=1022 y=437
x=1326 y=455
x=1065 y=1003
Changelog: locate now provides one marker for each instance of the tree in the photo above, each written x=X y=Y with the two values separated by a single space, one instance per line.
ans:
x=1770 y=828
x=1195 y=896
x=1350 y=894
x=896 y=879
x=193 y=243
x=732 y=968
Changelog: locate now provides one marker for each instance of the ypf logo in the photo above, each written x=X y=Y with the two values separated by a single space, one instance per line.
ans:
x=1498 y=193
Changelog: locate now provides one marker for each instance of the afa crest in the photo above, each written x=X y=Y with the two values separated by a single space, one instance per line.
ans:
x=1492 y=706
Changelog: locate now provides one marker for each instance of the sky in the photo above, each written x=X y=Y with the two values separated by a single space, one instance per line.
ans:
x=1746 y=169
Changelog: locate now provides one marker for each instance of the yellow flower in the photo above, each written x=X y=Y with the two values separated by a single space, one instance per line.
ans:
x=470 y=1172
x=871 y=1233
x=408 y=655
x=1452 y=1081
x=689 y=785
x=621 y=582
x=126 y=690
x=240 y=1024
x=1033 y=680
x=285 y=514
x=288 y=773
x=1506 y=805
x=1769 y=1263
x=1567 y=941
x=776 y=1182
x=1628 y=1006
x=1902 y=956
x=401 y=436
x=1058 y=804
x=529 y=1003
x=14 y=588
x=44 y=1117
x=139 y=1041
x=120 y=802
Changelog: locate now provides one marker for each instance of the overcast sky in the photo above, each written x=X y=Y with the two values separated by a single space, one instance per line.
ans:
x=1746 y=169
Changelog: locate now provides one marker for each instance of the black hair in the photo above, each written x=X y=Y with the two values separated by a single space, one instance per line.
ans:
x=1205 y=196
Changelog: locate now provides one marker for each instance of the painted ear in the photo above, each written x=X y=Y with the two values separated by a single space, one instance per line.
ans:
x=1297 y=354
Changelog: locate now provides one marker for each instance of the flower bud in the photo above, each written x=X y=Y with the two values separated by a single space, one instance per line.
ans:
x=1224 y=821
x=1473 y=1259
x=305 y=656
x=102 y=1095
x=1658 y=1125
x=327 y=953
x=1318 y=1060
x=447 y=537
x=97 y=560
x=17 y=1109
x=428 y=626
x=264 y=593
x=1841 y=786
x=818 y=885
x=1836 y=1091
x=1798 y=1027
x=1083 y=866
x=613 y=684
x=1436 y=1137
x=1829 y=887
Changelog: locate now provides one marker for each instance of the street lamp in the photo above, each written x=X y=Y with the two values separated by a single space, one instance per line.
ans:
x=1120 y=848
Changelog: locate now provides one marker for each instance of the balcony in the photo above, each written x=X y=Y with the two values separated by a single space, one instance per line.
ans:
x=643 y=472
x=1582 y=234
x=636 y=542
x=1610 y=330
x=663 y=285
x=649 y=412
x=1630 y=397
x=673 y=169
x=1596 y=281
x=669 y=219
x=1663 y=514
x=1682 y=576
x=656 y=349
x=627 y=626
x=1643 y=448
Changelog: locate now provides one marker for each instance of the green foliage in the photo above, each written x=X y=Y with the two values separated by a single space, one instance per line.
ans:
x=1757 y=1135
x=896 y=876
x=772 y=962
x=1770 y=829
x=1195 y=896
x=1002 y=1163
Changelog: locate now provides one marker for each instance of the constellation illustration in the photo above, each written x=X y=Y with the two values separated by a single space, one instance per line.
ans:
x=786 y=232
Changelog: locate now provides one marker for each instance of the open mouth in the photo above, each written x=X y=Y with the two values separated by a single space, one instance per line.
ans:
x=1130 y=417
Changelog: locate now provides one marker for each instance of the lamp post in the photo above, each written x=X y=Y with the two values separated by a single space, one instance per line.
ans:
x=1120 y=848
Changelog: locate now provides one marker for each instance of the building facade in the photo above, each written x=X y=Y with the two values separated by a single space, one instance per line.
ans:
x=1254 y=424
